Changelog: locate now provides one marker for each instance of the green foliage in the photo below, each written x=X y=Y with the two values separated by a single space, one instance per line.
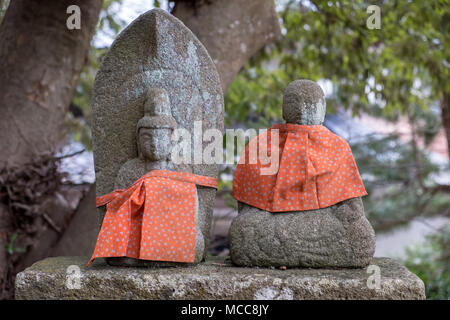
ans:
x=3 y=6
x=400 y=70
x=404 y=63
x=254 y=97
x=11 y=248
x=399 y=188
x=431 y=262
x=109 y=23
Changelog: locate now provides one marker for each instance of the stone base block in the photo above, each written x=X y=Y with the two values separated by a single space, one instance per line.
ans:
x=68 y=278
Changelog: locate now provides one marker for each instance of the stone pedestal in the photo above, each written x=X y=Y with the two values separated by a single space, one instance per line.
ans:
x=68 y=278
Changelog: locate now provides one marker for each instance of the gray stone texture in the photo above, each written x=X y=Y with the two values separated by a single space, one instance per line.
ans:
x=213 y=279
x=154 y=51
x=336 y=236
x=304 y=103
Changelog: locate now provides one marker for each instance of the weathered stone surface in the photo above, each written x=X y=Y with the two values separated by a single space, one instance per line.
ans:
x=304 y=103
x=214 y=279
x=337 y=236
x=155 y=51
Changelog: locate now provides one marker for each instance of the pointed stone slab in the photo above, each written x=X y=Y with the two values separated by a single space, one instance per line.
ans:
x=156 y=50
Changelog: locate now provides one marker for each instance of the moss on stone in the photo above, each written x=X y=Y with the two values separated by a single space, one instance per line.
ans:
x=216 y=278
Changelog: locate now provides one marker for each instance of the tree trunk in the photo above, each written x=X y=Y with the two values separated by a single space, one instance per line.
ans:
x=40 y=63
x=445 y=115
x=231 y=30
x=5 y=227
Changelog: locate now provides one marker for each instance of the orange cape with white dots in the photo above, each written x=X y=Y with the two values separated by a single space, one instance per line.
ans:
x=316 y=170
x=154 y=219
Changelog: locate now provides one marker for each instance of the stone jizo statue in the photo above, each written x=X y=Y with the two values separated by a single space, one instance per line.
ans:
x=153 y=136
x=156 y=76
x=300 y=219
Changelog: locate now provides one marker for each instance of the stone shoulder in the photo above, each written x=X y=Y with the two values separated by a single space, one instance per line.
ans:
x=123 y=176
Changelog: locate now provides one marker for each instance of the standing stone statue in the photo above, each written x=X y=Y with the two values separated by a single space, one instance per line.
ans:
x=333 y=233
x=156 y=77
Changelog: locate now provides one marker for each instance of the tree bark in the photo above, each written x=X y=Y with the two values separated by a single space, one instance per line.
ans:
x=40 y=63
x=445 y=115
x=231 y=30
x=5 y=227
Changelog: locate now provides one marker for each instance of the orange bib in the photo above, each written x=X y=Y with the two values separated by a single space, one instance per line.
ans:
x=154 y=219
x=316 y=170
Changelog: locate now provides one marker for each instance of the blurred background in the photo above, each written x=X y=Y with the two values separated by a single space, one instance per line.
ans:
x=384 y=70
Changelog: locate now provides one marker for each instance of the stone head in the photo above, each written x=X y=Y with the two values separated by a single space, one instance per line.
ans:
x=304 y=103
x=154 y=130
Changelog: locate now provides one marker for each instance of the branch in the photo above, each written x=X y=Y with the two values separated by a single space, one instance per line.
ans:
x=70 y=155
x=51 y=223
x=439 y=188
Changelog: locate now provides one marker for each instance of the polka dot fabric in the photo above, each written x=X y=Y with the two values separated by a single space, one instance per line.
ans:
x=316 y=170
x=154 y=219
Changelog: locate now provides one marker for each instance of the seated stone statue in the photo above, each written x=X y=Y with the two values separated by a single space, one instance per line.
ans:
x=153 y=163
x=309 y=213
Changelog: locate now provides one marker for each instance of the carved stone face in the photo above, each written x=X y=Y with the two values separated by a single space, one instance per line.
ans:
x=155 y=143
x=304 y=103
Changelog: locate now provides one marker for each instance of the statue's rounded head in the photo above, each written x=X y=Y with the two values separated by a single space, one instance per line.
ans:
x=157 y=111
x=154 y=130
x=304 y=103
